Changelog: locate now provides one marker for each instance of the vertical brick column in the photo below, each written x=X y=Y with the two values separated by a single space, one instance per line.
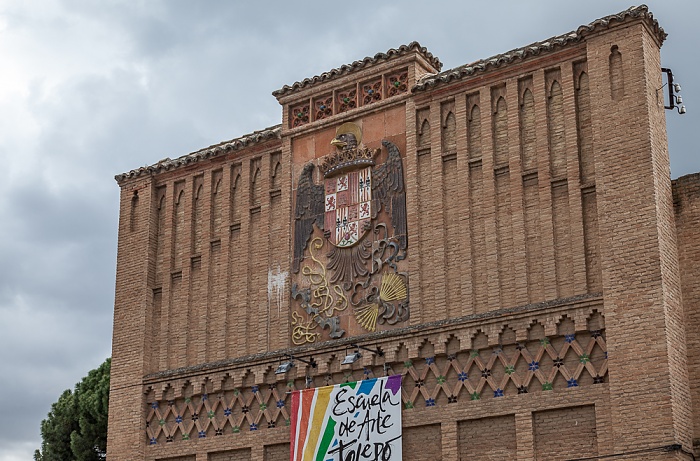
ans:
x=450 y=450
x=645 y=335
x=524 y=436
x=131 y=307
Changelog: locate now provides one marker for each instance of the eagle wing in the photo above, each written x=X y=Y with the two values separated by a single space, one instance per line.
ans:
x=389 y=192
x=309 y=210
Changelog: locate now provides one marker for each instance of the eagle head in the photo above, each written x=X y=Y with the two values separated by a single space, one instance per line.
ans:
x=347 y=136
x=307 y=171
x=345 y=141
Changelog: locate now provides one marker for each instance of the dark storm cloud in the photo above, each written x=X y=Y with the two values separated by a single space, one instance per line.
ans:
x=109 y=86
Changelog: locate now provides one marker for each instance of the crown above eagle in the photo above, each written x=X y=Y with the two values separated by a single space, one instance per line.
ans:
x=349 y=154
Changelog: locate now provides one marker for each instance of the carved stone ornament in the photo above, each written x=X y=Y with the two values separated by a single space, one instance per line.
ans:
x=358 y=216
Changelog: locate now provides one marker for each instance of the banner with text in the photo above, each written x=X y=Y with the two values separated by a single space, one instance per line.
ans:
x=348 y=422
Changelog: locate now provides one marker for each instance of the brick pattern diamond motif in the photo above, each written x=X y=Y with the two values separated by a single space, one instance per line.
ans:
x=541 y=365
x=535 y=366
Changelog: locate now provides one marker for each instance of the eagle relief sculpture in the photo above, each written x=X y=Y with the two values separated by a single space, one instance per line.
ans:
x=350 y=267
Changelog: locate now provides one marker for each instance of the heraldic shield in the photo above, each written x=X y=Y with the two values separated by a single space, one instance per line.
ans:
x=348 y=206
x=351 y=264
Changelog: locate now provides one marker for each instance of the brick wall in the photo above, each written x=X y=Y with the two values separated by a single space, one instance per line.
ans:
x=565 y=433
x=686 y=193
x=242 y=454
x=422 y=443
x=487 y=438
x=542 y=266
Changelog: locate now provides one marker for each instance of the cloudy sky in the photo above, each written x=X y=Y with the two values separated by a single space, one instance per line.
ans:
x=90 y=89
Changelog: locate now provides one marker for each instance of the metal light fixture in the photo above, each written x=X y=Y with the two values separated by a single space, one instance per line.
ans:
x=675 y=100
x=355 y=356
x=284 y=367
x=289 y=364
x=351 y=358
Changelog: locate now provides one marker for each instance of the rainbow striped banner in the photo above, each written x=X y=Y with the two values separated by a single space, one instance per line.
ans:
x=352 y=421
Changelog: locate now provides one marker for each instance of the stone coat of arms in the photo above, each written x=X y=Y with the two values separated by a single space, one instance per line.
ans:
x=360 y=207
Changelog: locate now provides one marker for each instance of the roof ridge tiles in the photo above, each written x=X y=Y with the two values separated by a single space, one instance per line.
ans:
x=426 y=82
x=273 y=132
x=534 y=49
x=359 y=64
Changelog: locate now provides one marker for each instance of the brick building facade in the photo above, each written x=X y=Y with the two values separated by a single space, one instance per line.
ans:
x=516 y=249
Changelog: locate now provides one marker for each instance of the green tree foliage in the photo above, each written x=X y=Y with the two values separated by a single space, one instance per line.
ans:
x=57 y=428
x=76 y=427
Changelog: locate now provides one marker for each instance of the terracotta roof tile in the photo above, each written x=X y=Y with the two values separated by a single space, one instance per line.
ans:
x=203 y=154
x=358 y=65
x=537 y=48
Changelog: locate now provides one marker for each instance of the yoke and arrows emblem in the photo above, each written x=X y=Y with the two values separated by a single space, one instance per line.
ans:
x=361 y=261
